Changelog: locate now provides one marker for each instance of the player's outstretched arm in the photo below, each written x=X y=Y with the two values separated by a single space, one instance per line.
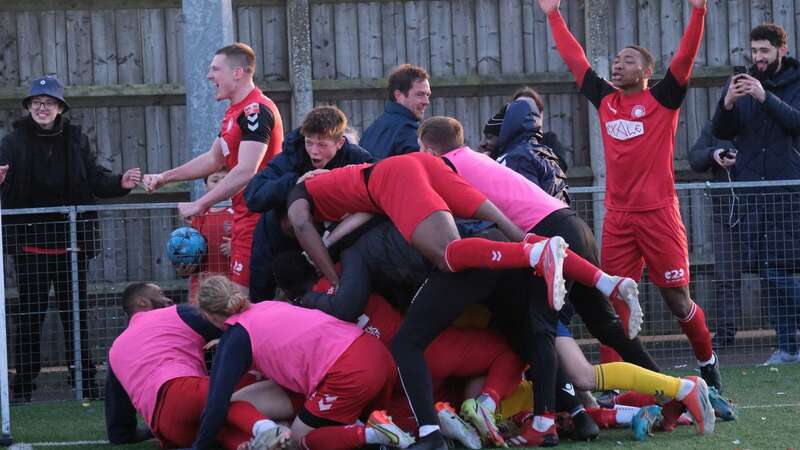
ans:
x=199 y=167
x=681 y=65
x=570 y=49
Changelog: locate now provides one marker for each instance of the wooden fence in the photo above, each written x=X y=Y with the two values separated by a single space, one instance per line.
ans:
x=123 y=61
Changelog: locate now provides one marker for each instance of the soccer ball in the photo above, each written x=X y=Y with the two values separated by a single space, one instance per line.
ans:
x=186 y=246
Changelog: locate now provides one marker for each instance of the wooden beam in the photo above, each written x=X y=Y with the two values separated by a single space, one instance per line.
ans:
x=343 y=89
x=94 y=5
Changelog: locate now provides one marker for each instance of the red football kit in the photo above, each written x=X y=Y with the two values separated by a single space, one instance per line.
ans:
x=457 y=352
x=257 y=119
x=214 y=225
x=643 y=221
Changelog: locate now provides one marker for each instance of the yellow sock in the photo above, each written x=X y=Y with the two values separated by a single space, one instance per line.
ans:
x=520 y=400
x=626 y=376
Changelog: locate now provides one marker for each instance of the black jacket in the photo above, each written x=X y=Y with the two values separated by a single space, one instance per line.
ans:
x=393 y=133
x=520 y=150
x=85 y=180
x=701 y=155
x=268 y=190
x=767 y=135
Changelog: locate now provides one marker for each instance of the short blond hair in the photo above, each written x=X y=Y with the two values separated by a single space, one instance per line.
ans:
x=218 y=295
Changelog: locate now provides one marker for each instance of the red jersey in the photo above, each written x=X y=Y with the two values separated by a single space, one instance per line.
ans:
x=256 y=118
x=213 y=225
x=341 y=191
x=638 y=130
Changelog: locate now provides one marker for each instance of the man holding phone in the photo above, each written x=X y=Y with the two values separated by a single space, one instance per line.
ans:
x=760 y=112
x=719 y=156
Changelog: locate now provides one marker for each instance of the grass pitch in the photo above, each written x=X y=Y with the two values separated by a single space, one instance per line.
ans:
x=768 y=401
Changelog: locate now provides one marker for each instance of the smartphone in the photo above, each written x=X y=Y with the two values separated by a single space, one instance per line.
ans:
x=738 y=70
x=728 y=153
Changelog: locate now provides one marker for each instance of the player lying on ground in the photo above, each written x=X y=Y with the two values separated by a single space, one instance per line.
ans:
x=457 y=352
x=382 y=259
x=157 y=368
x=342 y=372
x=421 y=196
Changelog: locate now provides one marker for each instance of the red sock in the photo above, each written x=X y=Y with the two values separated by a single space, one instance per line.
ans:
x=609 y=355
x=576 y=268
x=239 y=423
x=335 y=438
x=580 y=270
x=694 y=327
x=479 y=253
x=503 y=376
x=632 y=398
x=603 y=417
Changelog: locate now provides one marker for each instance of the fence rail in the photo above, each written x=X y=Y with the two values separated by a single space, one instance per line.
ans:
x=745 y=282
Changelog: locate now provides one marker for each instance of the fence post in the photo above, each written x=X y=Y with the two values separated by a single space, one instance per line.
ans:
x=76 y=302
x=208 y=26
x=596 y=27
x=5 y=410
x=299 y=26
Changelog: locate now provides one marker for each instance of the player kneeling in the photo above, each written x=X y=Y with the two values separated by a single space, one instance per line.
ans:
x=340 y=370
x=157 y=368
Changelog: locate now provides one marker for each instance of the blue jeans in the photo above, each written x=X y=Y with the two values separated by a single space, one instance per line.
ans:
x=783 y=295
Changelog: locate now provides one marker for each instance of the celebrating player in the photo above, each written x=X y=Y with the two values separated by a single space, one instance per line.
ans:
x=251 y=134
x=643 y=222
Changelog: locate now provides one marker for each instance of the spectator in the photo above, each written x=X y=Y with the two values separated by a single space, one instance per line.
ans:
x=395 y=131
x=760 y=112
x=46 y=161
x=710 y=153
x=513 y=137
x=215 y=225
x=319 y=144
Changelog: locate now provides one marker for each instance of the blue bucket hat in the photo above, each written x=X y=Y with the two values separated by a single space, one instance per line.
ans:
x=49 y=86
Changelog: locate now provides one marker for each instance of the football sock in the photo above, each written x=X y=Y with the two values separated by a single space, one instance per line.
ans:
x=336 y=438
x=694 y=327
x=633 y=398
x=479 y=253
x=624 y=414
x=622 y=375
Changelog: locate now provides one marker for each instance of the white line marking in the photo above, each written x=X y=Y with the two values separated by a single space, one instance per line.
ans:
x=780 y=405
x=23 y=446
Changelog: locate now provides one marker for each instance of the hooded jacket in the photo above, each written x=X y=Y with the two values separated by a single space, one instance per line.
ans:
x=393 y=133
x=518 y=148
x=84 y=181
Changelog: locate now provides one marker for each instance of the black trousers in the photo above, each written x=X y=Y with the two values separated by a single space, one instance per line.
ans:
x=519 y=299
x=596 y=312
x=35 y=274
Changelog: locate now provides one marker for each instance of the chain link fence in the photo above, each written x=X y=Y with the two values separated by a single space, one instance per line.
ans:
x=742 y=253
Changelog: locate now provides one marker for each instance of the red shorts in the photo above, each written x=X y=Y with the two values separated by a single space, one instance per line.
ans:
x=657 y=237
x=239 y=269
x=358 y=382
x=176 y=419
x=411 y=187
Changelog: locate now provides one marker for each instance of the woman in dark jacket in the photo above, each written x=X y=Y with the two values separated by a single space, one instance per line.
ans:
x=46 y=162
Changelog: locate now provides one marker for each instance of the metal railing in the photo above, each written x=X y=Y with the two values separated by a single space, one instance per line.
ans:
x=115 y=245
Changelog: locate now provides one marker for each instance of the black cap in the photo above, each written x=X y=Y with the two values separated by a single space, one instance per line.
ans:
x=495 y=122
x=49 y=86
